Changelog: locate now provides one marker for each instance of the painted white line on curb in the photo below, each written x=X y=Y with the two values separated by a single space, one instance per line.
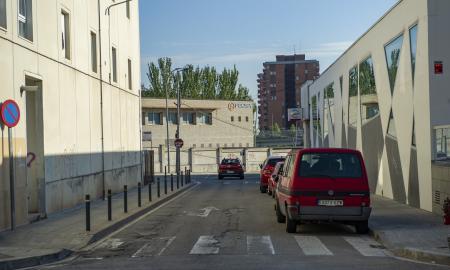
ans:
x=366 y=246
x=206 y=244
x=312 y=246
x=259 y=245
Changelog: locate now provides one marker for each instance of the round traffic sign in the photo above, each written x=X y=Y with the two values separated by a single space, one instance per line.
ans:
x=10 y=113
x=178 y=143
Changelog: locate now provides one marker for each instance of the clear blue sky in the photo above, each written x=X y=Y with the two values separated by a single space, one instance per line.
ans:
x=247 y=33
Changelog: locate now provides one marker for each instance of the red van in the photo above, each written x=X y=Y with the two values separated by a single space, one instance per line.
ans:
x=323 y=185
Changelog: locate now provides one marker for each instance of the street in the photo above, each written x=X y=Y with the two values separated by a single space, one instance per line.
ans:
x=229 y=224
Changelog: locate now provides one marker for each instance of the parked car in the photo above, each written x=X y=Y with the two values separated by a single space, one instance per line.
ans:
x=323 y=185
x=266 y=171
x=231 y=167
x=273 y=179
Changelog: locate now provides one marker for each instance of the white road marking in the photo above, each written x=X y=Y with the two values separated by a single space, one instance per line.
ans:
x=259 y=245
x=204 y=212
x=112 y=243
x=366 y=246
x=311 y=246
x=169 y=241
x=140 y=251
x=206 y=244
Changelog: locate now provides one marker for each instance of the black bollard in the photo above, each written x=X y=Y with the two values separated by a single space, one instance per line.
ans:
x=165 y=185
x=158 y=191
x=171 y=182
x=88 y=213
x=178 y=182
x=109 y=205
x=125 y=199
x=150 y=191
x=139 y=194
x=182 y=179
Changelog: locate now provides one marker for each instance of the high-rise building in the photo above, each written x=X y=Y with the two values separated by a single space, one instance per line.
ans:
x=279 y=88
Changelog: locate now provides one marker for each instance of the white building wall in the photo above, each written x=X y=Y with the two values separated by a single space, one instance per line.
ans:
x=72 y=160
x=394 y=166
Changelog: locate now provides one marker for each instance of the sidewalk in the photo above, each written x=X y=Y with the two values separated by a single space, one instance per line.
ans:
x=410 y=232
x=63 y=233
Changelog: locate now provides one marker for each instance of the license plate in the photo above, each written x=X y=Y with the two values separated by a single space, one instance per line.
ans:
x=331 y=202
x=230 y=172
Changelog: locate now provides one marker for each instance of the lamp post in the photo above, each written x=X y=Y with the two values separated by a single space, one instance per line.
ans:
x=177 y=134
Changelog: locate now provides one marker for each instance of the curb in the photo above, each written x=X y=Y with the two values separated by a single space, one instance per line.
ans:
x=412 y=253
x=35 y=261
x=18 y=263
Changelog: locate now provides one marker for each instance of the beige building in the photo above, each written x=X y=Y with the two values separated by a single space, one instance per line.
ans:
x=388 y=96
x=80 y=129
x=203 y=124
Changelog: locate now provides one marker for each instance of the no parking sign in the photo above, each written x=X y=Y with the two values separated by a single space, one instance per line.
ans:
x=10 y=113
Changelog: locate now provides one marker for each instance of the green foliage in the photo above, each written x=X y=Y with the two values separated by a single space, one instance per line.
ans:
x=292 y=129
x=276 y=129
x=353 y=81
x=194 y=82
x=366 y=78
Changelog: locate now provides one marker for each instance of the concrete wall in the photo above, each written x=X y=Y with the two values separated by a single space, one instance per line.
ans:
x=64 y=126
x=441 y=185
x=392 y=160
x=206 y=160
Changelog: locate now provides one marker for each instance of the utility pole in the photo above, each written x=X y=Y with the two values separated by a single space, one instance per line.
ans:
x=177 y=134
x=167 y=131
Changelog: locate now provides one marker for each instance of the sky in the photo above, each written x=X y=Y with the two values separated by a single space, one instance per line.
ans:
x=247 y=33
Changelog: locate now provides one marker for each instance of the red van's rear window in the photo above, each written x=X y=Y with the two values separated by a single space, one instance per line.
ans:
x=334 y=165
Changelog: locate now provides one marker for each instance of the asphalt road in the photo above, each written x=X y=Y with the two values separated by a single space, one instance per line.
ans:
x=229 y=224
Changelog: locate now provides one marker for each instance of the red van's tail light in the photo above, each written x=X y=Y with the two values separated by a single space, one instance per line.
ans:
x=365 y=202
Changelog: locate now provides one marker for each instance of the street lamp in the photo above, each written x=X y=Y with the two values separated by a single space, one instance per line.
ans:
x=177 y=134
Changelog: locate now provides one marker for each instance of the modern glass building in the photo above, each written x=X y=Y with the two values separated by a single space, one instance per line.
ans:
x=388 y=96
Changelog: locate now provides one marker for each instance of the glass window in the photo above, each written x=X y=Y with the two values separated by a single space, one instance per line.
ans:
x=3 y=13
x=239 y=118
x=328 y=108
x=232 y=118
x=205 y=118
x=114 y=64
x=25 y=18
x=154 y=118
x=130 y=76
x=188 y=118
x=353 y=97
x=442 y=143
x=94 y=52
x=413 y=44
x=65 y=34
x=173 y=118
x=392 y=51
x=367 y=90
x=331 y=165
x=246 y=119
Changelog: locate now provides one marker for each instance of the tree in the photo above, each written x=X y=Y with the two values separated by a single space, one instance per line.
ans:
x=243 y=93
x=276 y=129
x=227 y=83
x=292 y=129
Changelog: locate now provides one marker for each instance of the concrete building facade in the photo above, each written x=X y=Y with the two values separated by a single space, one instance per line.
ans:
x=279 y=88
x=79 y=132
x=388 y=96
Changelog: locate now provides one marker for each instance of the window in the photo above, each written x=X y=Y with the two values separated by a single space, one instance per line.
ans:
x=128 y=9
x=114 y=64
x=25 y=18
x=188 y=118
x=130 y=76
x=204 y=118
x=353 y=96
x=3 y=13
x=333 y=165
x=239 y=118
x=442 y=139
x=246 y=119
x=94 y=52
x=392 y=51
x=413 y=43
x=297 y=78
x=367 y=90
x=232 y=118
x=154 y=118
x=173 y=118
x=65 y=34
x=143 y=119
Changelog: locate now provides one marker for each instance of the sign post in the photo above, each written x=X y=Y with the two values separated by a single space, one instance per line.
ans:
x=10 y=115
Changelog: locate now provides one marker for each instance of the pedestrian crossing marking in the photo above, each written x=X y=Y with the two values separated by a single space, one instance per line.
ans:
x=259 y=245
x=206 y=244
x=366 y=246
x=312 y=246
x=151 y=248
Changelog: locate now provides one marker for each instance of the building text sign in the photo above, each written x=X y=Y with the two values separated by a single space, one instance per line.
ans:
x=238 y=105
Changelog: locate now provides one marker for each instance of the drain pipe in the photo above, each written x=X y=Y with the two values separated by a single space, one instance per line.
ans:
x=101 y=96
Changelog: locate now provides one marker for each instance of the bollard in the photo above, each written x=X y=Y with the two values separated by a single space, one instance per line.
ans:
x=150 y=191
x=158 y=191
x=182 y=179
x=125 y=199
x=109 y=205
x=171 y=182
x=189 y=176
x=88 y=213
x=139 y=194
x=165 y=185
x=178 y=182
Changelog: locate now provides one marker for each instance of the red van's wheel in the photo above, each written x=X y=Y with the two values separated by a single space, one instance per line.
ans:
x=362 y=227
x=280 y=217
